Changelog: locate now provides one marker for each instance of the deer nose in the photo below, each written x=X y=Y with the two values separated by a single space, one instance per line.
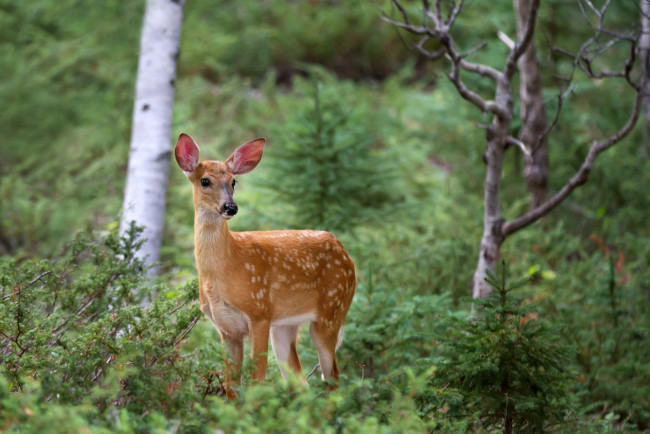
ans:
x=231 y=208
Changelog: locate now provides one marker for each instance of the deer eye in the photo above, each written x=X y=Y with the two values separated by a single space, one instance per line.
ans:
x=234 y=181
x=205 y=182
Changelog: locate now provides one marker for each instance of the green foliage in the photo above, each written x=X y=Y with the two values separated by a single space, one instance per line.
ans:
x=328 y=162
x=503 y=365
x=68 y=70
x=76 y=328
x=80 y=352
x=389 y=328
x=250 y=38
x=67 y=88
x=613 y=351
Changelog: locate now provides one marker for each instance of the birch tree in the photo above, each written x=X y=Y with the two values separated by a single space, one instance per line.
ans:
x=148 y=169
x=438 y=27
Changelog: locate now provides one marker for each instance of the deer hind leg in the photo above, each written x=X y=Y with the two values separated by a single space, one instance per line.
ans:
x=283 y=340
x=325 y=340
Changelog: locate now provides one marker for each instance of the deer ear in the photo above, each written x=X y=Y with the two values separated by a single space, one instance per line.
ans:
x=246 y=157
x=187 y=153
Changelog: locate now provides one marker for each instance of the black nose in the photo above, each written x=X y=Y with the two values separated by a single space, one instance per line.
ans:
x=231 y=208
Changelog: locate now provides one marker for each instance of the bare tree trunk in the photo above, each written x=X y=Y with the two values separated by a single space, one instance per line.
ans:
x=492 y=220
x=644 y=54
x=491 y=240
x=532 y=113
x=147 y=176
x=438 y=27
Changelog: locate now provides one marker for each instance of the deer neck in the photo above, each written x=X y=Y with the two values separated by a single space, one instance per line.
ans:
x=214 y=245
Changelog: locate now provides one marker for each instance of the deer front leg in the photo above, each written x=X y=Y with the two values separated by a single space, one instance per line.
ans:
x=235 y=346
x=259 y=348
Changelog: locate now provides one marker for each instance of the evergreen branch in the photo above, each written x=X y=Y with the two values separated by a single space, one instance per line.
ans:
x=18 y=292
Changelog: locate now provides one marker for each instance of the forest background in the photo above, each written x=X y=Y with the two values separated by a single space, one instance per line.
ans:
x=400 y=181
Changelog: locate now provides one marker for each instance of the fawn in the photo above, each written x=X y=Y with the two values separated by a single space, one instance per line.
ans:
x=256 y=283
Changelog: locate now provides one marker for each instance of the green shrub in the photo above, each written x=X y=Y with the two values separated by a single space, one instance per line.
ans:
x=77 y=328
x=502 y=366
x=80 y=352
x=329 y=163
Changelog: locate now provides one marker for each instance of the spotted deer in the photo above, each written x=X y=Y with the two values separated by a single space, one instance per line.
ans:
x=256 y=283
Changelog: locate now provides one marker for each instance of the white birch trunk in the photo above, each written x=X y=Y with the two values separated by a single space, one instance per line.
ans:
x=148 y=170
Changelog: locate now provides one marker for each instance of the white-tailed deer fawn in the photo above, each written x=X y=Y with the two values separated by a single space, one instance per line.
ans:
x=256 y=283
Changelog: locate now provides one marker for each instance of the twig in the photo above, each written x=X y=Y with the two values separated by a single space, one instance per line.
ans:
x=521 y=145
x=39 y=277
x=560 y=101
x=312 y=371
x=581 y=175
x=187 y=330
x=506 y=40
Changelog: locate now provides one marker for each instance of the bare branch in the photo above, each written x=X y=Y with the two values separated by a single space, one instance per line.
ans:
x=579 y=178
x=506 y=40
x=560 y=100
x=418 y=30
x=482 y=70
x=433 y=55
x=453 y=12
x=585 y=64
x=403 y=12
x=522 y=45
x=439 y=11
x=521 y=145
x=440 y=31
x=474 y=98
x=473 y=50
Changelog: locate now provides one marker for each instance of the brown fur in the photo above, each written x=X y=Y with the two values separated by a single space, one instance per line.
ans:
x=253 y=281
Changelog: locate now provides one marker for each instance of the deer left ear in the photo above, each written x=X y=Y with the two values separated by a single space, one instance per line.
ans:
x=246 y=157
x=187 y=153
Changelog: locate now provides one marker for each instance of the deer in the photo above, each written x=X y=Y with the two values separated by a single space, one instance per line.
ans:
x=262 y=283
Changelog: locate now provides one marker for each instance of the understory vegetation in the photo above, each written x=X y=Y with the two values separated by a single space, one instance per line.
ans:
x=365 y=139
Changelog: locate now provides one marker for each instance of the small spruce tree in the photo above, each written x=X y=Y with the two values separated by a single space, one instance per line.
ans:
x=328 y=161
x=503 y=365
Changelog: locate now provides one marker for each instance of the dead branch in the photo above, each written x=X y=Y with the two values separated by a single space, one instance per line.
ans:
x=560 y=101
x=580 y=177
x=521 y=46
x=521 y=145
x=440 y=32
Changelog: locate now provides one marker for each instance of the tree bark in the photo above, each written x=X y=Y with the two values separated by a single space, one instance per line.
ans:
x=148 y=169
x=532 y=113
x=495 y=228
x=644 y=54
x=492 y=220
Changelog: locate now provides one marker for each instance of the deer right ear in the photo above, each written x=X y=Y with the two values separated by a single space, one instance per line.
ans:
x=187 y=153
